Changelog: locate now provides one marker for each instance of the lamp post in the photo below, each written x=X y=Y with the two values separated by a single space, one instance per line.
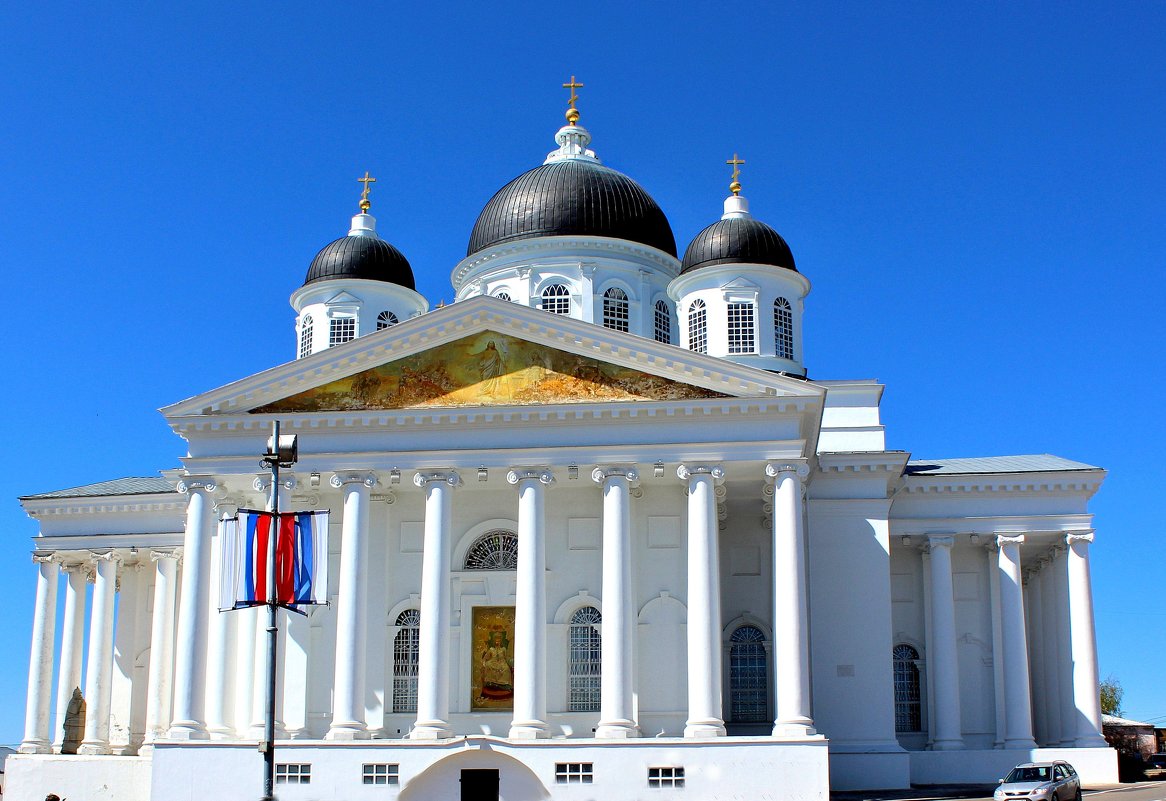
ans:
x=282 y=451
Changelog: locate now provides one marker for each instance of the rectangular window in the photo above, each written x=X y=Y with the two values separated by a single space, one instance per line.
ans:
x=574 y=773
x=380 y=773
x=293 y=773
x=666 y=777
x=741 y=339
x=341 y=330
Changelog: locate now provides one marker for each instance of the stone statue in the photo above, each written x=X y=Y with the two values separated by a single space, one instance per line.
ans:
x=74 y=723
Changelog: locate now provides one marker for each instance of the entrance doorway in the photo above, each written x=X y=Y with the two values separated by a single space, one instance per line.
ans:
x=479 y=785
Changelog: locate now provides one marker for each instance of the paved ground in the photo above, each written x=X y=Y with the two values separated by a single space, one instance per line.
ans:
x=1139 y=791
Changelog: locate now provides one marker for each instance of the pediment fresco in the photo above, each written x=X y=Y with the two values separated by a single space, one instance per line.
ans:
x=486 y=369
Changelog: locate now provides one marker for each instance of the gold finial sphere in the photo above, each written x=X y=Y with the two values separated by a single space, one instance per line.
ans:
x=735 y=187
x=572 y=115
x=365 y=205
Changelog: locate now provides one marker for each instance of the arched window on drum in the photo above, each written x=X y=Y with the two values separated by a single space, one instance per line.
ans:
x=748 y=676
x=584 y=660
x=406 y=648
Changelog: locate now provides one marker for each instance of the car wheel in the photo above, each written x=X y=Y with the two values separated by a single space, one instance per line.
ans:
x=1077 y=797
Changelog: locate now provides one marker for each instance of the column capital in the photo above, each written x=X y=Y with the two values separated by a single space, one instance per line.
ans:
x=262 y=482
x=796 y=466
x=44 y=557
x=342 y=477
x=543 y=475
x=1074 y=537
x=1009 y=539
x=941 y=541
x=189 y=484
x=159 y=555
x=426 y=477
x=95 y=557
x=228 y=506
x=687 y=471
x=606 y=471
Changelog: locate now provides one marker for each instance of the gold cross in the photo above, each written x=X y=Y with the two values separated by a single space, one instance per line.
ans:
x=366 y=180
x=572 y=112
x=736 y=161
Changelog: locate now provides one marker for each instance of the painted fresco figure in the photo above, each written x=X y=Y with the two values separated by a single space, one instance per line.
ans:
x=497 y=671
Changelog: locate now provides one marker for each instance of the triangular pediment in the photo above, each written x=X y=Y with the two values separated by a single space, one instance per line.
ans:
x=342 y=298
x=444 y=359
x=489 y=368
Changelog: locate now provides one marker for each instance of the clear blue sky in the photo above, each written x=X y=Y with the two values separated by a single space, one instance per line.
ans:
x=976 y=194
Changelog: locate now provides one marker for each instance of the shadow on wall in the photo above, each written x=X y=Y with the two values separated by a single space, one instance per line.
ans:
x=443 y=778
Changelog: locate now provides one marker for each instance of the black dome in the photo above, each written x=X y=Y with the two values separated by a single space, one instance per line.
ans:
x=361 y=257
x=572 y=196
x=737 y=240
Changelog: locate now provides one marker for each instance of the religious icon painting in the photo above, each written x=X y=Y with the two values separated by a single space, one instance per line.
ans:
x=492 y=659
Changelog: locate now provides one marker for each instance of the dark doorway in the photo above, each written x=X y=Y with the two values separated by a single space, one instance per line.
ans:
x=479 y=785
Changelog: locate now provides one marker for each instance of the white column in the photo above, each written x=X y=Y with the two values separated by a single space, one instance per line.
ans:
x=616 y=710
x=1086 y=694
x=37 y=739
x=791 y=640
x=246 y=679
x=191 y=644
x=1034 y=628
x=158 y=692
x=530 y=614
x=944 y=658
x=433 y=645
x=220 y=643
x=1050 y=664
x=1068 y=705
x=126 y=714
x=348 y=700
x=99 y=661
x=1018 y=701
x=997 y=645
x=72 y=645
x=704 y=602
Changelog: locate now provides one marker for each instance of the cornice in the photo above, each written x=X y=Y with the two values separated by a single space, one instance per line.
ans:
x=162 y=502
x=566 y=249
x=886 y=462
x=1074 y=482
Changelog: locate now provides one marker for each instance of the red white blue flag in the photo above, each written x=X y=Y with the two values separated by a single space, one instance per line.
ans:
x=301 y=559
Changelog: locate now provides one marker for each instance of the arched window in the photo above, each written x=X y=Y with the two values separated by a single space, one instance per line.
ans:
x=386 y=319
x=908 y=715
x=341 y=330
x=741 y=338
x=556 y=299
x=503 y=296
x=663 y=323
x=748 y=676
x=698 y=338
x=615 y=309
x=494 y=550
x=405 y=655
x=306 y=337
x=783 y=329
x=584 y=660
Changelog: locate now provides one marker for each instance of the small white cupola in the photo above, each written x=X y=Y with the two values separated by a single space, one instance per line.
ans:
x=739 y=295
x=356 y=285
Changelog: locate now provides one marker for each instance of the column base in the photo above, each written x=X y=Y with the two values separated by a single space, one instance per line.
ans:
x=94 y=749
x=1019 y=743
x=958 y=745
x=189 y=730
x=35 y=747
x=220 y=733
x=529 y=730
x=704 y=728
x=1090 y=741
x=617 y=730
x=433 y=730
x=794 y=729
x=347 y=731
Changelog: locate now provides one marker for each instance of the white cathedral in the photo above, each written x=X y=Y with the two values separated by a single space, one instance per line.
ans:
x=595 y=533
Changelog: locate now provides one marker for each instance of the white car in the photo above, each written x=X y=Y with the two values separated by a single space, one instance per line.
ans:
x=1040 y=781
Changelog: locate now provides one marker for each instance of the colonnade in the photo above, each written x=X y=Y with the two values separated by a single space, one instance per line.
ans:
x=187 y=678
x=1044 y=645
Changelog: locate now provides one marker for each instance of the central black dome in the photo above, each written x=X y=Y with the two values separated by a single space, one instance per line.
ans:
x=572 y=197
x=367 y=257
x=737 y=240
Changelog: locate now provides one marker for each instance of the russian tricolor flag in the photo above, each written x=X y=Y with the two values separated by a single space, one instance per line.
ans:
x=301 y=559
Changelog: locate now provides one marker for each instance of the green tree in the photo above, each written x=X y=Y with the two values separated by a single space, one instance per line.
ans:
x=1111 y=693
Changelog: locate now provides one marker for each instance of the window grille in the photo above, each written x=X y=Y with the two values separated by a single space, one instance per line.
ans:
x=615 y=309
x=494 y=550
x=908 y=709
x=748 y=676
x=698 y=341
x=341 y=330
x=386 y=319
x=556 y=299
x=663 y=327
x=503 y=296
x=380 y=773
x=585 y=660
x=574 y=772
x=406 y=656
x=666 y=777
x=783 y=329
x=293 y=773
x=306 y=337
x=741 y=339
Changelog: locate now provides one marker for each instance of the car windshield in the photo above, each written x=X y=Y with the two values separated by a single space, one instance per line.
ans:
x=1029 y=774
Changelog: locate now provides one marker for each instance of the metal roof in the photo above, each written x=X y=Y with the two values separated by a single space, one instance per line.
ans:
x=1032 y=463
x=365 y=257
x=738 y=240
x=148 y=485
